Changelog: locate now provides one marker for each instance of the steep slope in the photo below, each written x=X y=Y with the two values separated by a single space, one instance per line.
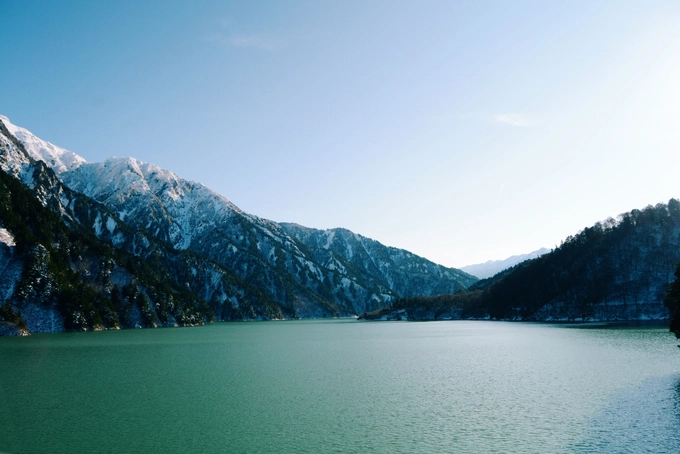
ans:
x=57 y=158
x=493 y=267
x=614 y=270
x=67 y=262
x=404 y=273
x=189 y=216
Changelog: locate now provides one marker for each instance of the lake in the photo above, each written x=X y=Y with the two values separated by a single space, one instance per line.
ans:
x=343 y=386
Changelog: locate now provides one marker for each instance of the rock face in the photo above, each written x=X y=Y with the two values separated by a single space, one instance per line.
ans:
x=233 y=264
x=10 y=329
x=385 y=269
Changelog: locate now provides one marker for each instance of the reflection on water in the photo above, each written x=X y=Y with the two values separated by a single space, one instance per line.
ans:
x=626 y=426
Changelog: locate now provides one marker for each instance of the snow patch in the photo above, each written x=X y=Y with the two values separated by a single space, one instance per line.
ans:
x=97 y=226
x=111 y=225
x=329 y=239
x=118 y=239
x=6 y=237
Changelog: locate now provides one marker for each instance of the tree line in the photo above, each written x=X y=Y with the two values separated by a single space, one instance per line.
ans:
x=615 y=270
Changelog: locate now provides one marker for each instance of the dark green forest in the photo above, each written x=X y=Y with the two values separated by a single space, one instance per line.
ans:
x=615 y=270
x=673 y=303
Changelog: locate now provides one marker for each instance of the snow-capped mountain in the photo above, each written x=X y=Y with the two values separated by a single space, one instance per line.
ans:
x=311 y=273
x=401 y=271
x=493 y=267
x=68 y=262
x=56 y=157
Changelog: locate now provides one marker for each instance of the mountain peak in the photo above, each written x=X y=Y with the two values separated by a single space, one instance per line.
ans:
x=59 y=159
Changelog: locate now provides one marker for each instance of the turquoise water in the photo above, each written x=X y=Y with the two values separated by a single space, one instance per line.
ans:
x=343 y=386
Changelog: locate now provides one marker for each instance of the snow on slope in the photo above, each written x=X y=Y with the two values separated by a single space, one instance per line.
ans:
x=59 y=159
x=352 y=274
x=6 y=237
x=117 y=182
x=175 y=210
x=182 y=211
x=493 y=267
x=14 y=161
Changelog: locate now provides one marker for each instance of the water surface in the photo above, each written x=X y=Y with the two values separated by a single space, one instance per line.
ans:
x=343 y=386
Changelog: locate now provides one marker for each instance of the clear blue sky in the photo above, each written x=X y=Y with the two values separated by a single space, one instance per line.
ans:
x=462 y=131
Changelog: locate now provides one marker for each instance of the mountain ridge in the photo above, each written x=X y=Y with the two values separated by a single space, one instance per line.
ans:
x=493 y=267
x=285 y=263
x=164 y=287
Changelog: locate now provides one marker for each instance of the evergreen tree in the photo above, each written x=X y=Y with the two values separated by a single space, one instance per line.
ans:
x=673 y=302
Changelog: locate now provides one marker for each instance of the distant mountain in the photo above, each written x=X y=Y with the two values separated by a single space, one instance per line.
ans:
x=493 y=267
x=615 y=270
x=260 y=269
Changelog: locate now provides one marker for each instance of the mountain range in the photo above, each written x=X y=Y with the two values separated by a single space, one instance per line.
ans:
x=493 y=267
x=136 y=245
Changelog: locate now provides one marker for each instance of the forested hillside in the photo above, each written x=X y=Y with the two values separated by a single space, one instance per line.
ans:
x=673 y=303
x=615 y=270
